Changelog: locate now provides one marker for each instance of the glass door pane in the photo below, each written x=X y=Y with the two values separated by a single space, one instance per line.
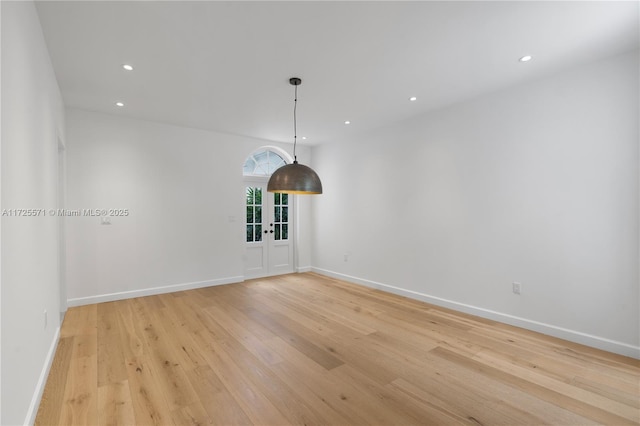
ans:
x=254 y=214
x=281 y=216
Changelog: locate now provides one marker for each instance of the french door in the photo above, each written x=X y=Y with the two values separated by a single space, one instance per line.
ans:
x=269 y=231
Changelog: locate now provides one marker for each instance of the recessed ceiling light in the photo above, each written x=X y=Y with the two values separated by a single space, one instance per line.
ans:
x=127 y=67
x=304 y=137
x=413 y=98
x=526 y=58
x=119 y=104
x=347 y=122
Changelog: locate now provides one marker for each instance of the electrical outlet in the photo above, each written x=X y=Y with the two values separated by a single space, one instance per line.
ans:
x=516 y=287
x=45 y=318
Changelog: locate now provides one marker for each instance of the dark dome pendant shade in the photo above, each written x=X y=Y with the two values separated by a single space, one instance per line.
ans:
x=295 y=178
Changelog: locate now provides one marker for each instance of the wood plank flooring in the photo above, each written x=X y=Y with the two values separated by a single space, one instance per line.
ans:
x=306 y=349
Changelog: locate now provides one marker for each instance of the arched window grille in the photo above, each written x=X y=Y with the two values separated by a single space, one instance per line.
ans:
x=262 y=163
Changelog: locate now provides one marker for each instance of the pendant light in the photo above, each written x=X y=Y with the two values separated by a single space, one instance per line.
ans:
x=295 y=178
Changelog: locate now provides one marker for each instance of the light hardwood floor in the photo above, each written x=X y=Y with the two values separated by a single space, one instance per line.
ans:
x=306 y=349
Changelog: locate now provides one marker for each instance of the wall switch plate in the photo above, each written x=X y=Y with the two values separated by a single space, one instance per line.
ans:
x=516 y=287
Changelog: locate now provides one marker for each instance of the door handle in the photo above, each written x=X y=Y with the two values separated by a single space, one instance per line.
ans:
x=271 y=232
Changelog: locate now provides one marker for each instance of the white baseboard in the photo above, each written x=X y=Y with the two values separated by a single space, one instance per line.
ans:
x=548 y=329
x=42 y=381
x=301 y=269
x=100 y=298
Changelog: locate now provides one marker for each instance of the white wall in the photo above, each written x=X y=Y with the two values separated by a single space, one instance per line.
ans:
x=181 y=187
x=0 y=219
x=32 y=121
x=536 y=184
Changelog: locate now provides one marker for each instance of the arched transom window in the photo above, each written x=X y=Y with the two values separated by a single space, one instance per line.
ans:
x=263 y=163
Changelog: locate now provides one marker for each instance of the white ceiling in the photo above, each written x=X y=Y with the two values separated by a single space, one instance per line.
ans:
x=225 y=66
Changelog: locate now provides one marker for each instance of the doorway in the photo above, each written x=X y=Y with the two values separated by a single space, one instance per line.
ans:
x=62 y=250
x=268 y=217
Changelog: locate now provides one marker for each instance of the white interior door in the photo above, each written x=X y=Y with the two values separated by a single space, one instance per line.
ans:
x=269 y=231
x=62 y=251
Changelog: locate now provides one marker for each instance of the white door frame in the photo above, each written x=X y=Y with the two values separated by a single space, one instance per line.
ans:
x=62 y=245
x=268 y=245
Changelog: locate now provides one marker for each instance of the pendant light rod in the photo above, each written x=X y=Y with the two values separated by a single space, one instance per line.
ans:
x=295 y=81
